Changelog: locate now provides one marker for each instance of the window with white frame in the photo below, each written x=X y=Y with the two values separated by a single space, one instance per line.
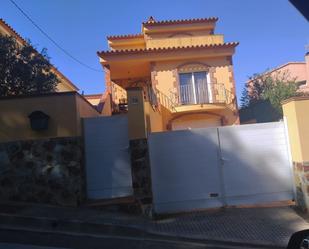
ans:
x=194 y=88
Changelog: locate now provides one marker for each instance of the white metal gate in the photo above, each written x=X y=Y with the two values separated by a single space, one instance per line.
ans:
x=213 y=167
x=108 y=171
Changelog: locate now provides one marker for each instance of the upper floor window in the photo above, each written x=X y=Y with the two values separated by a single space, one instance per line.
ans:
x=193 y=88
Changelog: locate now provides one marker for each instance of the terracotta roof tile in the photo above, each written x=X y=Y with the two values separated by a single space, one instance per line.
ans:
x=129 y=51
x=276 y=69
x=130 y=36
x=153 y=22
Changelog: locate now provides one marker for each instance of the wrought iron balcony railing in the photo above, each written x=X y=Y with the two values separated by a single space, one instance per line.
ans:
x=192 y=95
x=201 y=93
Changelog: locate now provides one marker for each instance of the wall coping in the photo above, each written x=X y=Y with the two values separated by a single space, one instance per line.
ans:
x=298 y=98
x=13 y=97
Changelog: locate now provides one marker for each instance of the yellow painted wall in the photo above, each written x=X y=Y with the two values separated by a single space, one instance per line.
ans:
x=195 y=121
x=136 y=114
x=200 y=119
x=14 y=121
x=192 y=28
x=65 y=111
x=83 y=110
x=130 y=43
x=165 y=42
x=153 y=118
x=165 y=75
x=296 y=113
x=180 y=34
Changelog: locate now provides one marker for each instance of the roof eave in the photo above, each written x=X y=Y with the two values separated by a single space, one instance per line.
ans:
x=182 y=21
x=154 y=50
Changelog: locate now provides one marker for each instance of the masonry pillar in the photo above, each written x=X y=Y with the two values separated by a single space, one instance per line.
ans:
x=296 y=113
x=139 y=147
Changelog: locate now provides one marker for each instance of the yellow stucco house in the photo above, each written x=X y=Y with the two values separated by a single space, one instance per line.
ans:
x=185 y=72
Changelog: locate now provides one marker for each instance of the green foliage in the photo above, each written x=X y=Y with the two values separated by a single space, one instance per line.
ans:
x=276 y=90
x=245 y=98
x=273 y=88
x=23 y=70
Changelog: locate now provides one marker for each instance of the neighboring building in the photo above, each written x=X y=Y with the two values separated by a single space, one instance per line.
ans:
x=263 y=111
x=184 y=69
x=102 y=102
x=65 y=85
x=298 y=71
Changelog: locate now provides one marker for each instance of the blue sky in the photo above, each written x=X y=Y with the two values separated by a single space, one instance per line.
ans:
x=270 y=32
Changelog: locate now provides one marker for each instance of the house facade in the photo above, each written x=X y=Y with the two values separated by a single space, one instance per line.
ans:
x=184 y=70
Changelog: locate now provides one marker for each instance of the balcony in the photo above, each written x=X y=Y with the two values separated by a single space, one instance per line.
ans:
x=194 y=97
x=202 y=96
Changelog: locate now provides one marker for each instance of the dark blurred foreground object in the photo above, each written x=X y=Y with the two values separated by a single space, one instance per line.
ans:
x=302 y=6
x=299 y=240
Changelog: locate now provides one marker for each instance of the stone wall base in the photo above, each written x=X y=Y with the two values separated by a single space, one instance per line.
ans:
x=301 y=177
x=43 y=171
x=141 y=175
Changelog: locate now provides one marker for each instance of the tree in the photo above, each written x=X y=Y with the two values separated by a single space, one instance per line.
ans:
x=277 y=89
x=23 y=70
x=272 y=88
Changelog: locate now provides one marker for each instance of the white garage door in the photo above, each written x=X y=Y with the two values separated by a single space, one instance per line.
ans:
x=212 y=167
x=256 y=164
x=184 y=170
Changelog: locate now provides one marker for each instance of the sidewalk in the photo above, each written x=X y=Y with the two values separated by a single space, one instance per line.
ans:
x=271 y=226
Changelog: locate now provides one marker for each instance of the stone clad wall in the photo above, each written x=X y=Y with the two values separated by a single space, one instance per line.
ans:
x=301 y=178
x=43 y=171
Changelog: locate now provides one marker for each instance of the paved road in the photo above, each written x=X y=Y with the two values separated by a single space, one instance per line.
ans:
x=129 y=245
x=271 y=226
x=19 y=246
